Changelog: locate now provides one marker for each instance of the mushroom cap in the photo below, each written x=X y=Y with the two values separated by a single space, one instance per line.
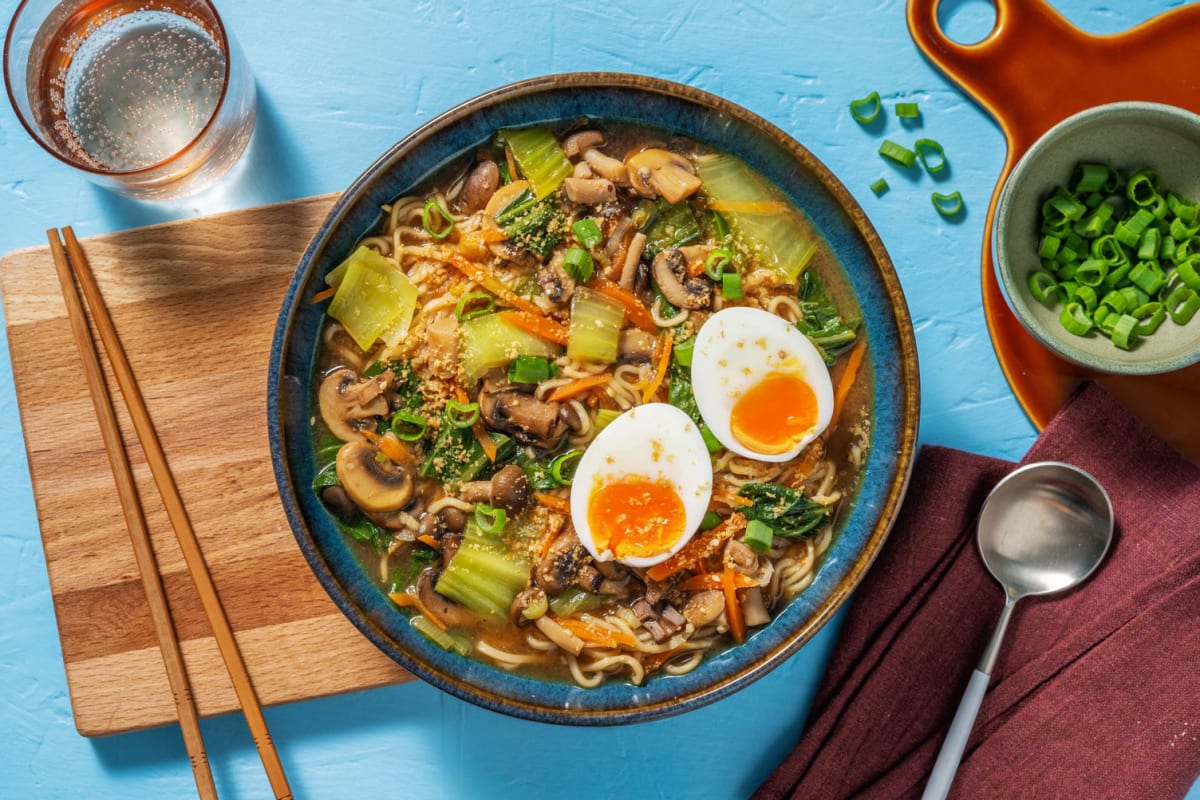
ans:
x=670 y=273
x=655 y=171
x=346 y=401
x=374 y=484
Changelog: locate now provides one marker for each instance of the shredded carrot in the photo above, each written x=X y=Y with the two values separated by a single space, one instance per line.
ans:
x=702 y=545
x=577 y=387
x=662 y=350
x=403 y=599
x=541 y=326
x=749 y=206
x=426 y=539
x=733 y=608
x=478 y=428
x=635 y=309
x=713 y=580
x=618 y=263
x=433 y=617
x=483 y=275
x=324 y=294
x=596 y=634
x=390 y=447
x=725 y=498
x=653 y=662
x=553 y=502
x=849 y=373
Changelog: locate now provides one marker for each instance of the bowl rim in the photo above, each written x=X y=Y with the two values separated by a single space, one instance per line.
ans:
x=1012 y=289
x=883 y=515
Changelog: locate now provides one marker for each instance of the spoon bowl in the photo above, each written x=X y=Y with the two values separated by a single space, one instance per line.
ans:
x=1043 y=529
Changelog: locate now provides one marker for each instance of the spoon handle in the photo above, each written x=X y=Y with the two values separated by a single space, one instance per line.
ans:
x=946 y=765
x=950 y=755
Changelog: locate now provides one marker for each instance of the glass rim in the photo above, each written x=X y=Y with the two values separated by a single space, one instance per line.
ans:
x=32 y=128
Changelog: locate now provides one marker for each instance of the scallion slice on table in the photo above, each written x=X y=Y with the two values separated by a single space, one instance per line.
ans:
x=908 y=110
x=879 y=187
x=932 y=155
x=898 y=153
x=867 y=109
x=948 y=205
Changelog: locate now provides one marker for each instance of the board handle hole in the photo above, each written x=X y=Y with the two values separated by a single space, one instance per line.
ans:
x=966 y=22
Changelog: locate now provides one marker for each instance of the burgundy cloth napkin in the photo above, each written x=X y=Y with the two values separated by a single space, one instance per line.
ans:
x=1096 y=693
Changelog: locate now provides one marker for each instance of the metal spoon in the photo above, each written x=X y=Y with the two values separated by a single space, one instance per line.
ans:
x=1043 y=529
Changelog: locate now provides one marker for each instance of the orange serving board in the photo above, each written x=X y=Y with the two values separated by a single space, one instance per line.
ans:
x=195 y=303
x=1032 y=71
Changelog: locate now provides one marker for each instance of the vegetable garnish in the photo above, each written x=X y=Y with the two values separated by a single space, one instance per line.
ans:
x=866 y=110
x=536 y=324
x=489 y=519
x=731 y=286
x=474 y=304
x=879 y=187
x=712 y=580
x=948 y=205
x=908 y=110
x=409 y=426
x=577 y=387
x=562 y=468
x=733 y=607
x=485 y=277
x=531 y=369
x=932 y=155
x=553 y=502
x=1118 y=255
x=662 y=356
x=716 y=262
x=788 y=511
x=898 y=153
x=759 y=536
x=587 y=231
x=634 y=308
x=578 y=264
x=436 y=220
x=462 y=415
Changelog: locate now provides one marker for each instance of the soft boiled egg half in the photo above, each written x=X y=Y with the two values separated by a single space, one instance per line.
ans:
x=761 y=386
x=642 y=486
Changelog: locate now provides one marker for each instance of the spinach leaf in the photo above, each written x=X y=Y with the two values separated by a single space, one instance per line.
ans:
x=788 y=511
x=822 y=323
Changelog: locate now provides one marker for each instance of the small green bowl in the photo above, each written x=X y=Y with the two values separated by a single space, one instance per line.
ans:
x=1125 y=135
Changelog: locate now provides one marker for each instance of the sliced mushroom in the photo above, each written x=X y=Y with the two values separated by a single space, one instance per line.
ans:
x=670 y=274
x=449 y=612
x=581 y=141
x=373 y=484
x=582 y=170
x=556 y=284
x=562 y=563
x=338 y=502
x=633 y=257
x=590 y=191
x=655 y=172
x=607 y=167
x=704 y=607
x=508 y=489
x=348 y=404
x=480 y=185
x=635 y=344
x=511 y=408
x=740 y=557
x=754 y=611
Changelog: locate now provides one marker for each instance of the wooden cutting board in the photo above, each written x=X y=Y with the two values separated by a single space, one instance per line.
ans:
x=195 y=303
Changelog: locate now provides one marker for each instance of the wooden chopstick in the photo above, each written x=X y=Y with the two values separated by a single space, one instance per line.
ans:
x=173 y=503
x=143 y=551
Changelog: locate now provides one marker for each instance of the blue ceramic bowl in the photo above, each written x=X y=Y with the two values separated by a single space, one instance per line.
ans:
x=864 y=521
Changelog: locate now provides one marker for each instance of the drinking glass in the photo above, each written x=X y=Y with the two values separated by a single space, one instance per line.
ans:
x=150 y=98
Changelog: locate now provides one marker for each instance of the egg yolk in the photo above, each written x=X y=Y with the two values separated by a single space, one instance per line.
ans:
x=774 y=414
x=636 y=517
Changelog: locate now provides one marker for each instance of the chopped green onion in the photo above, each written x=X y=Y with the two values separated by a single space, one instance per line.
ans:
x=489 y=519
x=531 y=369
x=1091 y=272
x=716 y=262
x=898 y=153
x=587 y=232
x=867 y=109
x=1042 y=285
x=927 y=149
x=578 y=264
x=948 y=205
x=908 y=110
x=1049 y=246
x=1075 y=319
x=462 y=415
x=1089 y=178
x=1149 y=316
x=1142 y=187
x=1124 y=332
x=470 y=298
x=731 y=286
x=1187 y=272
x=682 y=352
x=438 y=230
x=443 y=639
x=1182 y=304
x=879 y=187
x=710 y=520
x=562 y=468
x=759 y=536
x=409 y=426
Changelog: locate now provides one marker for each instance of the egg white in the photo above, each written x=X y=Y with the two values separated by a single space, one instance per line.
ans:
x=655 y=441
x=735 y=349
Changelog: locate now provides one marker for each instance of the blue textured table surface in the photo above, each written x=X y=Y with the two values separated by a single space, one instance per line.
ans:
x=338 y=83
